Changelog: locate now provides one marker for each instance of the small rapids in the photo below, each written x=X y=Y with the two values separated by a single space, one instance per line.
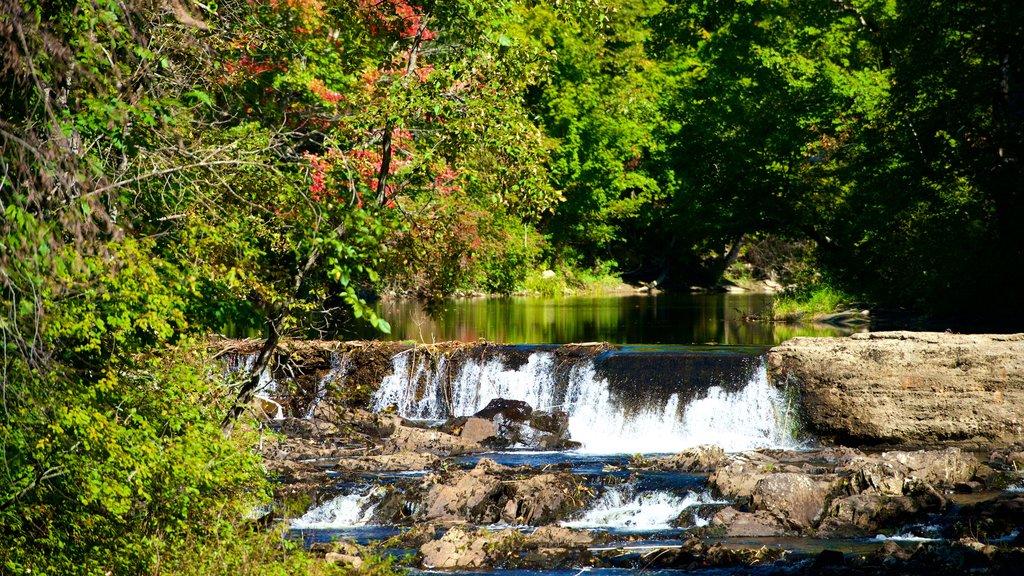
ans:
x=345 y=511
x=605 y=420
x=622 y=509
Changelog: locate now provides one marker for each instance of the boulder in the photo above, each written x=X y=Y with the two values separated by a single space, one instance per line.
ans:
x=865 y=514
x=490 y=493
x=556 y=423
x=461 y=548
x=561 y=537
x=892 y=472
x=797 y=500
x=908 y=389
x=478 y=429
x=700 y=459
x=756 y=524
x=738 y=478
x=466 y=496
x=512 y=410
x=414 y=439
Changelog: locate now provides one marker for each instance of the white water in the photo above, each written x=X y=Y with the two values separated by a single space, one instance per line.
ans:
x=241 y=365
x=752 y=417
x=344 y=511
x=617 y=509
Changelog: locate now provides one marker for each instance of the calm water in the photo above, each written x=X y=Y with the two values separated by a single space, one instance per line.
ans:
x=630 y=319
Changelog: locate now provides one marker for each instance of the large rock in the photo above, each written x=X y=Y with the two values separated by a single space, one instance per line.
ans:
x=865 y=514
x=795 y=499
x=758 y=524
x=491 y=493
x=738 y=478
x=698 y=459
x=907 y=388
x=413 y=439
x=460 y=548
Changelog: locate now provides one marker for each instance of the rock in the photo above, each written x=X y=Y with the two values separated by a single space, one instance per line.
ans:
x=865 y=514
x=748 y=524
x=514 y=410
x=398 y=462
x=460 y=548
x=548 y=274
x=937 y=467
x=477 y=430
x=412 y=439
x=467 y=496
x=993 y=518
x=371 y=423
x=907 y=388
x=504 y=423
x=876 y=476
x=547 y=498
x=700 y=459
x=556 y=423
x=892 y=472
x=795 y=499
x=738 y=478
x=490 y=493
x=347 y=553
x=561 y=537
x=335 y=558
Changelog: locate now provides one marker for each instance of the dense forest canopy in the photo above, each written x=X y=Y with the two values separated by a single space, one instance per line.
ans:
x=171 y=167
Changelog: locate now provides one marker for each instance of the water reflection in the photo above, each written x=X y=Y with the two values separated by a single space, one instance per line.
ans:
x=631 y=319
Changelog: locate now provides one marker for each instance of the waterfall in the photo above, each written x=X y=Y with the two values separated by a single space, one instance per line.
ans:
x=344 y=511
x=605 y=420
x=621 y=508
x=240 y=365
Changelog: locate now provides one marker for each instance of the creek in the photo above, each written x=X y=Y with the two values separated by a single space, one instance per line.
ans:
x=686 y=372
x=669 y=318
x=624 y=403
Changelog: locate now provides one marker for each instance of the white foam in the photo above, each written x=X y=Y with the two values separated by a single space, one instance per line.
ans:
x=346 y=511
x=619 y=509
x=904 y=538
x=751 y=417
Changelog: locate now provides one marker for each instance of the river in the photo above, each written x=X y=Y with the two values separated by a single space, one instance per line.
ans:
x=616 y=319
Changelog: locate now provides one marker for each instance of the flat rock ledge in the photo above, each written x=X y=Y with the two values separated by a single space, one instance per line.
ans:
x=907 y=389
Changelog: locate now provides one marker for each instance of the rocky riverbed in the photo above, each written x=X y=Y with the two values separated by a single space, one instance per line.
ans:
x=851 y=506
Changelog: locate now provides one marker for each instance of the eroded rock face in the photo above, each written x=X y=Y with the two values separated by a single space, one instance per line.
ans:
x=491 y=493
x=907 y=388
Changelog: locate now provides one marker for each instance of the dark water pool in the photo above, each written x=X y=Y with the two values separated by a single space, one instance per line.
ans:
x=617 y=319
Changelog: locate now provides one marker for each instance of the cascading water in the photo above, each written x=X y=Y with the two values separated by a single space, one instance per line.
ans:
x=344 y=511
x=623 y=509
x=242 y=364
x=752 y=415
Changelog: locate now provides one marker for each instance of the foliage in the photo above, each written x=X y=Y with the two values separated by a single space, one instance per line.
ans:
x=808 y=302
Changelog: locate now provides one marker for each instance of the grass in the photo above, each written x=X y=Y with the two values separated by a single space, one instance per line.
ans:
x=808 y=303
x=570 y=282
